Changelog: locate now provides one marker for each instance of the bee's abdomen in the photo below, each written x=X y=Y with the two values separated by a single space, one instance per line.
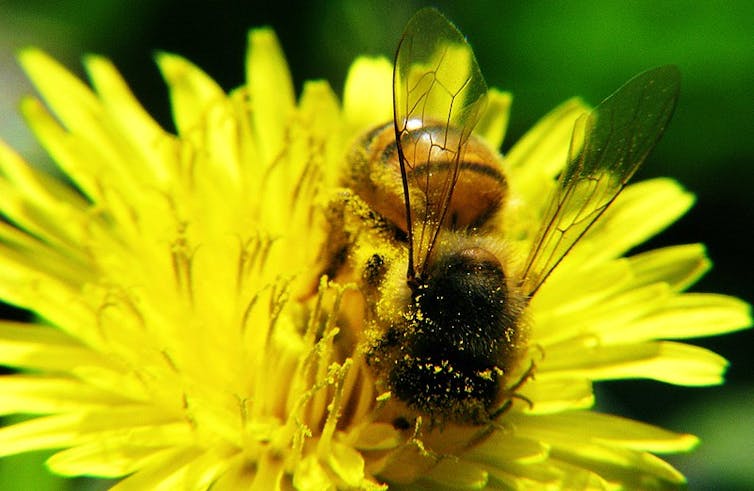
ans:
x=480 y=187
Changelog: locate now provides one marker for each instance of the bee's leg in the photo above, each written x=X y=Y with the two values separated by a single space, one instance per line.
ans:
x=418 y=442
x=501 y=410
x=511 y=393
x=493 y=424
x=529 y=373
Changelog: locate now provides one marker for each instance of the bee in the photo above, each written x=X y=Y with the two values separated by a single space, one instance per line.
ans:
x=442 y=323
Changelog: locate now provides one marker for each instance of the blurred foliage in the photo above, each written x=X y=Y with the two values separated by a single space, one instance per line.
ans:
x=544 y=52
x=27 y=471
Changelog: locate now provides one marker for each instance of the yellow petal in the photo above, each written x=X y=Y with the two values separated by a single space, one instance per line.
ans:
x=588 y=426
x=531 y=166
x=192 y=92
x=678 y=266
x=621 y=469
x=347 y=463
x=69 y=98
x=163 y=471
x=101 y=458
x=38 y=187
x=640 y=212
x=270 y=90
x=377 y=436
x=570 y=294
x=689 y=315
x=321 y=153
x=494 y=120
x=238 y=475
x=17 y=248
x=44 y=395
x=542 y=152
x=613 y=447
x=500 y=448
x=530 y=476
x=92 y=147
x=49 y=297
x=121 y=425
x=40 y=204
x=609 y=315
x=86 y=158
x=665 y=361
x=310 y=475
x=550 y=394
x=368 y=94
x=132 y=122
x=457 y=475
x=37 y=347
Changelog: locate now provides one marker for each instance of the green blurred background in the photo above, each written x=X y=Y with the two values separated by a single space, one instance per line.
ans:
x=544 y=52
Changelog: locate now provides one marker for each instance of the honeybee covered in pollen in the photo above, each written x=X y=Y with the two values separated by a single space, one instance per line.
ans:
x=442 y=322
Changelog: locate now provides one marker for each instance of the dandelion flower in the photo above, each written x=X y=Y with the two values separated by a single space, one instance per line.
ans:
x=181 y=341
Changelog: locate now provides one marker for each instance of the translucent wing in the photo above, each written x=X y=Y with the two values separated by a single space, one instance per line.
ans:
x=438 y=97
x=607 y=147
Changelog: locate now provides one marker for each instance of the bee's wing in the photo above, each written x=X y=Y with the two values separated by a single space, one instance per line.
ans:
x=607 y=147
x=436 y=82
